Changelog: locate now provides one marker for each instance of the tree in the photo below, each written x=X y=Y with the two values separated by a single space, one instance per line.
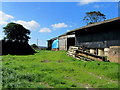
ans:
x=16 y=40
x=34 y=46
x=16 y=32
x=93 y=17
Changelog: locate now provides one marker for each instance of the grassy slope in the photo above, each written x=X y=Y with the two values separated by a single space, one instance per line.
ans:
x=51 y=69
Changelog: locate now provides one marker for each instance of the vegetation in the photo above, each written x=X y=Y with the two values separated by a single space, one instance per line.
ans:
x=16 y=48
x=54 y=69
x=34 y=46
x=16 y=32
x=93 y=17
x=16 y=40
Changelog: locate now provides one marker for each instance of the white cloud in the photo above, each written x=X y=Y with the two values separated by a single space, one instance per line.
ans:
x=5 y=18
x=45 y=30
x=83 y=2
x=31 y=25
x=59 y=25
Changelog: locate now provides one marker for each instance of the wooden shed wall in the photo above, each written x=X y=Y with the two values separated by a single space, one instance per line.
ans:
x=66 y=41
x=63 y=43
x=101 y=36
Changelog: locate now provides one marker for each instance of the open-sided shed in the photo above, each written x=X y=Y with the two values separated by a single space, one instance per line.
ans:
x=98 y=38
x=99 y=35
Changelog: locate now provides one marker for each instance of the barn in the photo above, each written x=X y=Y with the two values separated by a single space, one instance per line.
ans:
x=102 y=38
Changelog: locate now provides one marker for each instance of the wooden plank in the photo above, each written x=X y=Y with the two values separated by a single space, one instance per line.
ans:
x=90 y=57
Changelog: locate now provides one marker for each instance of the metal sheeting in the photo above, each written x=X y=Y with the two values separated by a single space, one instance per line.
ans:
x=99 y=44
x=92 y=44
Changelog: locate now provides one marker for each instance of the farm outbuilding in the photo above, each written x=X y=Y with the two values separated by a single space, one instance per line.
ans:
x=63 y=42
x=99 y=38
x=50 y=43
x=99 y=35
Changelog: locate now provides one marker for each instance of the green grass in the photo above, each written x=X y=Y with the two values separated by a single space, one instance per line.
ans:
x=54 y=69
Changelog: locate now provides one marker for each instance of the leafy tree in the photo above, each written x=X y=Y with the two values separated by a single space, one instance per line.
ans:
x=16 y=32
x=34 y=46
x=93 y=17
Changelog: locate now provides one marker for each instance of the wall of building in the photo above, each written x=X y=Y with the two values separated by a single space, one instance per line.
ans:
x=103 y=39
x=63 y=43
x=66 y=41
x=50 y=44
x=101 y=36
x=114 y=54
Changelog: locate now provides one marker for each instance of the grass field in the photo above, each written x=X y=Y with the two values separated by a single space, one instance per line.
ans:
x=54 y=69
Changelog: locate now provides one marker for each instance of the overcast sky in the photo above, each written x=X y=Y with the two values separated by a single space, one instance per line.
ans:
x=46 y=20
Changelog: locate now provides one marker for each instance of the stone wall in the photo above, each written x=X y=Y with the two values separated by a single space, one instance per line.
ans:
x=114 y=54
